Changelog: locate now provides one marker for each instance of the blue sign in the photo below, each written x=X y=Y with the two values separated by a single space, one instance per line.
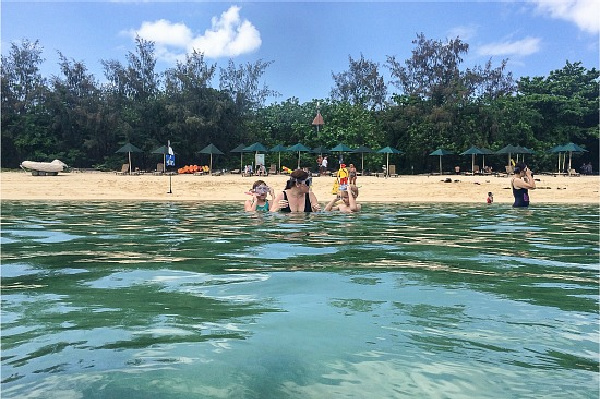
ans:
x=170 y=159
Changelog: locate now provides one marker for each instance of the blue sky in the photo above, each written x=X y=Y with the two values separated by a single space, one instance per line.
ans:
x=308 y=40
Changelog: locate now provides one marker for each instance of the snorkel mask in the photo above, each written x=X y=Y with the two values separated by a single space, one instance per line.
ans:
x=262 y=189
x=307 y=181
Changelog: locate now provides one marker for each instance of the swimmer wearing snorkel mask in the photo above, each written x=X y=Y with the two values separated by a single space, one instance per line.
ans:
x=297 y=195
x=259 y=201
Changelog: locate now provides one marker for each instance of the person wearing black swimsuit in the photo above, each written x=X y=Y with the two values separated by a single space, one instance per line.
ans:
x=297 y=196
x=521 y=183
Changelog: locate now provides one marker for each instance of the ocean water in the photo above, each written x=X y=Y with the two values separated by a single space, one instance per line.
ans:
x=196 y=300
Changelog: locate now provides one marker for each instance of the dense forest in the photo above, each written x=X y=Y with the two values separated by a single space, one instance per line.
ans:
x=433 y=101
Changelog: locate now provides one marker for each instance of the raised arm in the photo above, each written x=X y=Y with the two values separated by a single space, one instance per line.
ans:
x=354 y=207
x=527 y=181
x=331 y=204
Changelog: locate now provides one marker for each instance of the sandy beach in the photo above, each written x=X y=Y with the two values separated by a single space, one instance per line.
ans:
x=230 y=187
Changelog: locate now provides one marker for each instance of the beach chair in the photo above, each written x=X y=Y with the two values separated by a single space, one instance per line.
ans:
x=509 y=169
x=124 y=169
x=572 y=172
x=475 y=171
x=160 y=169
x=392 y=171
x=273 y=169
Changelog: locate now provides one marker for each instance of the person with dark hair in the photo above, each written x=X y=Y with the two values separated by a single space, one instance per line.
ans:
x=297 y=196
x=521 y=183
x=259 y=201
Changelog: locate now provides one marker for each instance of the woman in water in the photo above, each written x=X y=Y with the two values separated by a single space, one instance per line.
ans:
x=259 y=201
x=296 y=197
x=521 y=183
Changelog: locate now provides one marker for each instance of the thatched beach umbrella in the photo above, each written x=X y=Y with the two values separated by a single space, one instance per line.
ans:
x=279 y=148
x=572 y=148
x=472 y=152
x=387 y=151
x=164 y=151
x=362 y=150
x=299 y=147
x=559 y=149
x=441 y=152
x=210 y=149
x=240 y=149
x=509 y=149
x=129 y=148
x=320 y=150
x=256 y=148
x=341 y=148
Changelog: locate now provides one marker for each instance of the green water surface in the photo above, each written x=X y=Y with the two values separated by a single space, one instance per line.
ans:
x=185 y=300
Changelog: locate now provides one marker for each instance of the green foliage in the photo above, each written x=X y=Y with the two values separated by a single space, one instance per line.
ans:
x=440 y=104
x=361 y=85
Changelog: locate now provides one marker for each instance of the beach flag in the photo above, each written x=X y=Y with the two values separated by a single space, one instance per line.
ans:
x=170 y=157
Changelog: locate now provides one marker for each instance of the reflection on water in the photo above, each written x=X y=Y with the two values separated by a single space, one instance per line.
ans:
x=169 y=300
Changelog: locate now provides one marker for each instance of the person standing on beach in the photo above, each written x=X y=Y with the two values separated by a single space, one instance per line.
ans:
x=521 y=183
x=297 y=196
x=345 y=201
x=324 y=166
x=353 y=173
x=342 y=175
x=259 y=201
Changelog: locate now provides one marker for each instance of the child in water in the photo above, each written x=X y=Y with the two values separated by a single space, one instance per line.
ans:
x=490 y=197
x=259 y=201
x=345 y=200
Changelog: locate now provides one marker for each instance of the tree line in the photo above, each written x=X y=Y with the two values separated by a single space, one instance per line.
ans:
x=433 y=101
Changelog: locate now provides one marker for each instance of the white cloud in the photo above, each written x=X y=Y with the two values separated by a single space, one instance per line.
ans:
x=229 y=36
x=523 y=47
x=584 y=13
x=465 y=33
x=166 y=33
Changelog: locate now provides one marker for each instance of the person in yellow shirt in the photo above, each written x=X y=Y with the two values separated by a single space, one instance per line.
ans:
x=342 y=175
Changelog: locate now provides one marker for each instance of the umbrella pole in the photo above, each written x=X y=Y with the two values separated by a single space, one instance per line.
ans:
x=387 y=164
x=558 y=166
x=440 y=165
x=362 y=162
x=210 y=170
x=279 y=163
x=130 y=162
x=473 y=163
x=570 y=155
x=298 y=159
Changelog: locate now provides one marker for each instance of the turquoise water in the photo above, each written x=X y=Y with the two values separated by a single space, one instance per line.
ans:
x=182 y=300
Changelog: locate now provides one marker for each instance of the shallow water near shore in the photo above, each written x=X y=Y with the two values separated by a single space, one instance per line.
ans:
x=185 y=300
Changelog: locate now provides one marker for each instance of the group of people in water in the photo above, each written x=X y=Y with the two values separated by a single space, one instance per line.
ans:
x=298 y=197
